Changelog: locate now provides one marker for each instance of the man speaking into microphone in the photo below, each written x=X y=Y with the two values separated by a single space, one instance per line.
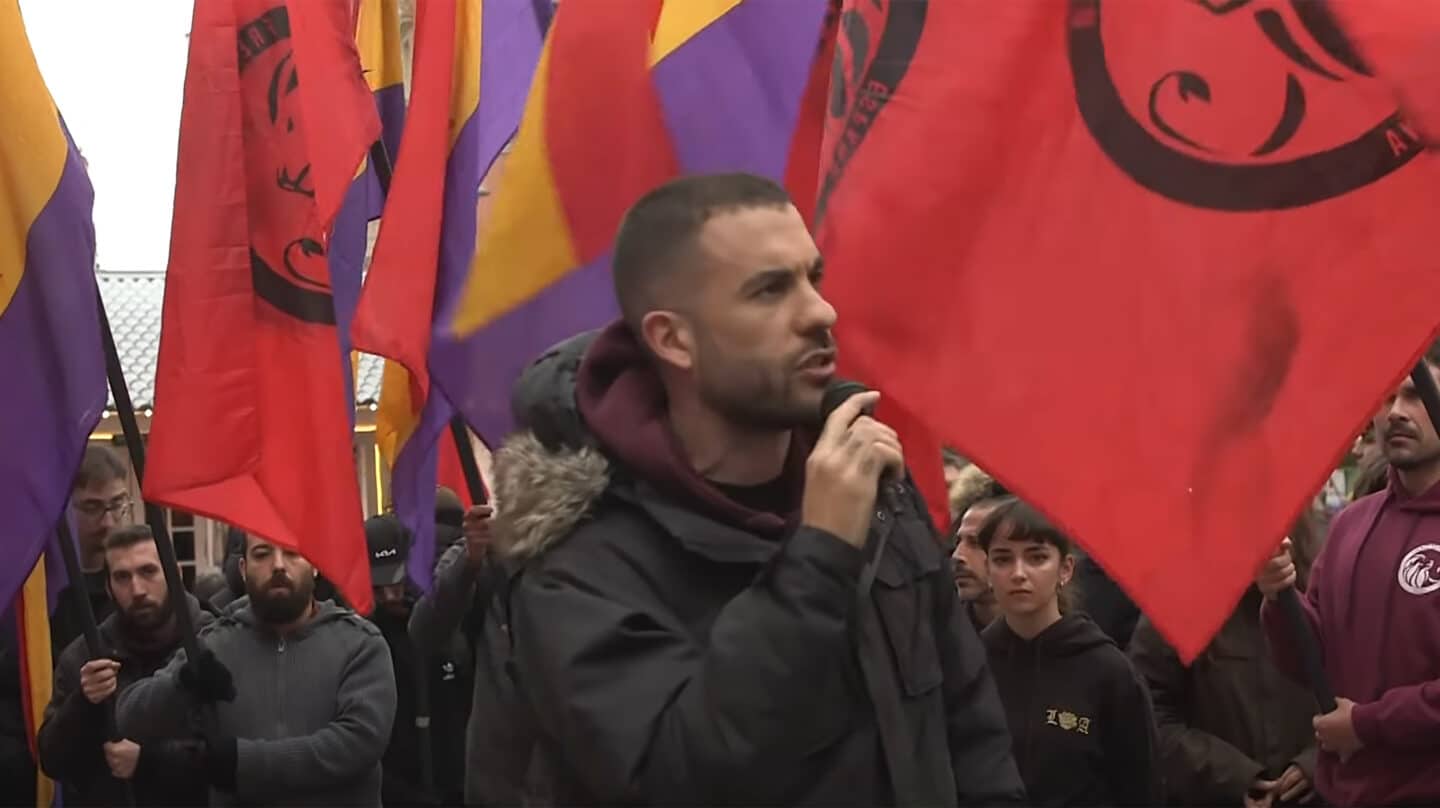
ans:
x=714 y=605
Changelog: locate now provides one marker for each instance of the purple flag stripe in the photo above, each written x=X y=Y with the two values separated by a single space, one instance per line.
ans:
x=50 y=334
x=413 y=481
x=413 y=478
x=346 y=260
x=731 y=94
x=363 y=202
x=485 y=364
x=390 y=101
x=510 y=42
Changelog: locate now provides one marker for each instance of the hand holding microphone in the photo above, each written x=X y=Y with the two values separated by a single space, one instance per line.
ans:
x=842 y=476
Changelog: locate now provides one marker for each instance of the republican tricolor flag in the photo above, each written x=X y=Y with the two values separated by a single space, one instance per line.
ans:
x=382 y=62
x=473 y=63
x=49 y=345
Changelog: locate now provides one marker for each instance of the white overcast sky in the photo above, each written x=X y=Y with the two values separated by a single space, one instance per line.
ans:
x=117 y=70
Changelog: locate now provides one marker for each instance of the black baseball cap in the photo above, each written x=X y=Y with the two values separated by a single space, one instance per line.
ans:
x=389 y=545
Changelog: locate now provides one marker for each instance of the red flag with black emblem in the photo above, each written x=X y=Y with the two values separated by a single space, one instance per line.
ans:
x=251 y=424
x=1151 y=264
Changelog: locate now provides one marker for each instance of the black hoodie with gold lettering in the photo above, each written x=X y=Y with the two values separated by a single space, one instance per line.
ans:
x=1081 y=720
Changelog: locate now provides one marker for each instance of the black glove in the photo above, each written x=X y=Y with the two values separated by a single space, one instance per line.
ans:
x=222 y=755
x=207 y=678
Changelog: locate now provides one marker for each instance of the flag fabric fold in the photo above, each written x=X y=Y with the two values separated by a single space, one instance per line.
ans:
x=472 y=66
x=1397 y=40
x=377 y=38
x=1142 y=232
x=619 y=104
x=49 y=317
x=251 y=424
x=382 y=59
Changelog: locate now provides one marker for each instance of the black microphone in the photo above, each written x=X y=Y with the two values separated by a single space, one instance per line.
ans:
x=837 y=392
x=888 y=496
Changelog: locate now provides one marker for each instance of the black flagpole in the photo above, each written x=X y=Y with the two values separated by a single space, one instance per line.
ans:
x=154 y=514
x=91 y=630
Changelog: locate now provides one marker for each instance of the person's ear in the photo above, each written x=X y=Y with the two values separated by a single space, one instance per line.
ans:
x=670 y=337
x=1067 y=569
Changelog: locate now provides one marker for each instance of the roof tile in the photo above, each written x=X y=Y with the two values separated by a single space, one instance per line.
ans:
x=133 y=302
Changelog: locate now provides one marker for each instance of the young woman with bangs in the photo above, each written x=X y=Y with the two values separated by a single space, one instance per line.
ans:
x=1079 y=715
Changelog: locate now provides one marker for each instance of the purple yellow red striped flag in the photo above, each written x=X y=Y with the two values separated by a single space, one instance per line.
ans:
x=619 y=104
x=382 y=59
x=472 y=68
x=377 y=36
x=49 y=320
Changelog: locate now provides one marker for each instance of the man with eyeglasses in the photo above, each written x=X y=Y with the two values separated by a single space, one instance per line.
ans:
x=100 y=501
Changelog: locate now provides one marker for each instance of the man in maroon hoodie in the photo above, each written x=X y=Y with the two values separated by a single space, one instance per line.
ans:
x=693 y=621
x=1374 y=603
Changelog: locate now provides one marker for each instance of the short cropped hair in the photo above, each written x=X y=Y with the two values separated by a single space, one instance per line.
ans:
x=659 y=230
x=100 y=465
x=128 y=536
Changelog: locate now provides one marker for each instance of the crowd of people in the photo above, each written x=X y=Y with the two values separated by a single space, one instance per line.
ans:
x=699 y=587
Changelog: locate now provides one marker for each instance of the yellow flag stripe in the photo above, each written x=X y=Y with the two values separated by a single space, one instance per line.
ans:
x=33 y=148
x=396 y=416
x=378 y=37
x=525 y=245
x=37 y=660
x=681 y=20
x=465 y=86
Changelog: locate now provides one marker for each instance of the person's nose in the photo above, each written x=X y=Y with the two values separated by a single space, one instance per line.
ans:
x=150 y=590
x=818 y=314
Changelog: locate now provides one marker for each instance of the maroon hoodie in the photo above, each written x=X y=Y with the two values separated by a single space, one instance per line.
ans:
x=1374 y=601
x=624 y=406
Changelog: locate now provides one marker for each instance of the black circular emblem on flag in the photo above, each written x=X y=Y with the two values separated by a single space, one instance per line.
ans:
x=288 y=266
x=1298 y=160
x=876 y=39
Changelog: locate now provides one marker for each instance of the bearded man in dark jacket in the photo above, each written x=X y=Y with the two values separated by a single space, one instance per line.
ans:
x=138 y=637
x=694 y=622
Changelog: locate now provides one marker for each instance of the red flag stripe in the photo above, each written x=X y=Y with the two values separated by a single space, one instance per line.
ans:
x=393 y=318
x=585 y=129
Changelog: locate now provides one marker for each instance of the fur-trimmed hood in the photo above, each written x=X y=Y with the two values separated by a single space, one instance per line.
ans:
x=591 y=405
x=550 y=473
x=543 y=493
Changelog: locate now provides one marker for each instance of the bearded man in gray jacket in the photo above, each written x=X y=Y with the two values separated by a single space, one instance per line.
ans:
x=303 y=691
